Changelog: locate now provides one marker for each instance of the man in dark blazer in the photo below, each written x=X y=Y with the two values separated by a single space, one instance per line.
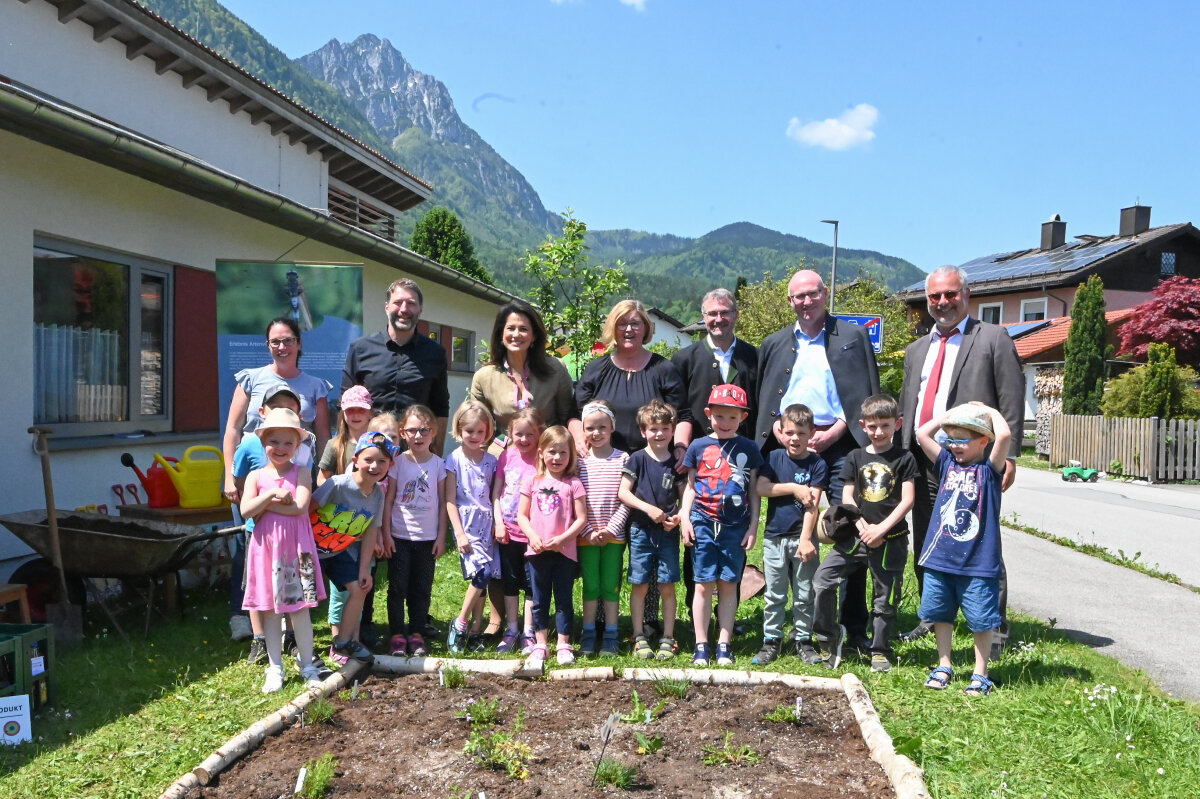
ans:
x=718 y=358
x=980 y=364
x=829 y=365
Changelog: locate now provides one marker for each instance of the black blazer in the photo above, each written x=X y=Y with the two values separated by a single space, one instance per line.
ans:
x=851 y=359
x=700 y=371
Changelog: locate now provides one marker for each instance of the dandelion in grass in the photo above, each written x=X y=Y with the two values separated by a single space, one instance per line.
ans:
x=1162 y=771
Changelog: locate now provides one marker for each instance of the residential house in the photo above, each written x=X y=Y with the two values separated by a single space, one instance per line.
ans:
x=126 y=141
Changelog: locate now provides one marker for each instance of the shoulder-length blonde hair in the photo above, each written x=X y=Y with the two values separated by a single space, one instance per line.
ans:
x=609 y=335
x=557 y=435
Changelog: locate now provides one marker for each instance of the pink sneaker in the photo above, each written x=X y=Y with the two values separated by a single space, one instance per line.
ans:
x=528 y=642
x=341 y=660
x=416 y=646
x=508 y=643
x=399 y=646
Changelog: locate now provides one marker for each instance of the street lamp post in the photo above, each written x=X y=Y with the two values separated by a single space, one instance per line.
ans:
x=833 y=271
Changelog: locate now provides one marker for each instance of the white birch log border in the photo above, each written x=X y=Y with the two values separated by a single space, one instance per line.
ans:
x=250 y=738
x=392 y=665
x=907 y=779
x=597 y=673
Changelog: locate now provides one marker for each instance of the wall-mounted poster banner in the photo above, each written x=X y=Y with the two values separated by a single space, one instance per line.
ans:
x=325 y=300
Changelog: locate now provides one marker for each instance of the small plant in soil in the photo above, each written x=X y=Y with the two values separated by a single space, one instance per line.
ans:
x=615 y=773
x=482 y=712
x=318 y=776
x=640 y=713
x=783 y=714
x=728 y=755
x=668 y=688
x=453 y=677
x=319 y=711
x=499 y=750
x=648 y=746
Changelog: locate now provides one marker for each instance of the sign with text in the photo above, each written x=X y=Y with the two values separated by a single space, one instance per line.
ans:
x=873 y=324
x=324 y=300
x=14 y=720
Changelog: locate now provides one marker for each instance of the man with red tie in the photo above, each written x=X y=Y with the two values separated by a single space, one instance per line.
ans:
x=961 y=360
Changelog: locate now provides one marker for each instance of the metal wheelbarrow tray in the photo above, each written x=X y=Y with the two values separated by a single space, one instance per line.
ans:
x=98 y=545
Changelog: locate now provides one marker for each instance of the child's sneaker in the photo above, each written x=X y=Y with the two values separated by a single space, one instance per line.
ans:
x=833 y=647
x=807 y=652
x=609 y=647
x=701 y=656
x=310 y=675
x=475 y=643
x=537 y=656
x=641 y=648
x=323 y=670
x=273 y=681
x=528 y=642
x=337 y=657
x=456 y=639
x=566 y=655
x=768 y=653
x=416 y=646
x=587 y=642
x=667 y=649
x=398 y=646
x=258 y=651
x=353 y=650
x=724 y=655
x=508 y=643
x=880 y=664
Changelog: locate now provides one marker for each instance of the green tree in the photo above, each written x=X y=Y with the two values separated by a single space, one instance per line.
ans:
x=1123 y=395
x=763 y=307
x=573 y=296
x=1083 y=378
x=1155 y=399
x=440 y=235
x=869 y=295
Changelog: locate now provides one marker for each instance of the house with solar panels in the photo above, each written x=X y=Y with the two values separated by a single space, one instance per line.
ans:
x=1031 y=291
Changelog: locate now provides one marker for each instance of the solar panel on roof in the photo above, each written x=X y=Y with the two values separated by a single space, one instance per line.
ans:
x=1018 y=330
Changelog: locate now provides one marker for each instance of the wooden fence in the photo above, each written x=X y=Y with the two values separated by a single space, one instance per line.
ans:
x=1157 y=449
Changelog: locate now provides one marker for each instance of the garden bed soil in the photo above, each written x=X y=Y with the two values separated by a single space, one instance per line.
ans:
x=400 y=737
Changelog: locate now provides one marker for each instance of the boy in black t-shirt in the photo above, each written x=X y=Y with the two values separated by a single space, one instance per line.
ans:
x=880 y=481
x=793 y=480
x=651 y=488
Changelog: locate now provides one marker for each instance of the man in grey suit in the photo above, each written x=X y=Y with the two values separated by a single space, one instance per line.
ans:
x=829 y=365
x=961 y=360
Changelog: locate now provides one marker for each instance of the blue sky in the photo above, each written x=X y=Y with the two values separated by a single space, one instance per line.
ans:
x=937 y=132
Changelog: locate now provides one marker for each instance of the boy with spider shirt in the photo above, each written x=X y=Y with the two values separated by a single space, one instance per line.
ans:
x=880 y=485
x=962 y=554
x=719 y=516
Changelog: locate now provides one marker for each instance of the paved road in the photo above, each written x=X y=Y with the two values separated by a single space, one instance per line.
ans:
x=1162 y=522
x=1144 y=622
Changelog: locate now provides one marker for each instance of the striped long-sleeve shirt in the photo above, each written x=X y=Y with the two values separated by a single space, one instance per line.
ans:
x=602 y=479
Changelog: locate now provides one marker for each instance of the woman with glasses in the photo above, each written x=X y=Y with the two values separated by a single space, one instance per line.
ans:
x=283 y=343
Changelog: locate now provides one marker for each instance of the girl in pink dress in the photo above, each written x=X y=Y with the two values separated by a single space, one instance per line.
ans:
x=517 y=463
x=283 y=574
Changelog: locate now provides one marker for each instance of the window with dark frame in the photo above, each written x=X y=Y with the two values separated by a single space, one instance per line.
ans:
x=1168 y=263
x=101 y=337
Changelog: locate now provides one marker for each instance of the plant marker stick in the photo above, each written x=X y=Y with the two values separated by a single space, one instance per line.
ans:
x=799 y=707
x=300 y=779
x=606 y=732
x=354 y=693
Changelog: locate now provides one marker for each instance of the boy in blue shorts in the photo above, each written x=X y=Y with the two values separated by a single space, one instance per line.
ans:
x=719 y=516
x=793 y=480
x=962 y=557
x=650 y=486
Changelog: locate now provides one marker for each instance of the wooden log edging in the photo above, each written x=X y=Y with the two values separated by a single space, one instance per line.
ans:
x=390 y=665
x=730 y=677
x=907 y=779
x=595 y=673
x=252 y=737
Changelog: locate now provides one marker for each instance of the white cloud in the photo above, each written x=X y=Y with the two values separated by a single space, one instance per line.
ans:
x=850 y=129
x=640 y=5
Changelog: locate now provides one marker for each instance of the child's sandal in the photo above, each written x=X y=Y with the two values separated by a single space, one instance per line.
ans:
x=979 y=686
x=939 y=678
x=641 y=648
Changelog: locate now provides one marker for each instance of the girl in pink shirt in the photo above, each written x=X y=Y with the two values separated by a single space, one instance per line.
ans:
x=552 y=514
x=516 y=464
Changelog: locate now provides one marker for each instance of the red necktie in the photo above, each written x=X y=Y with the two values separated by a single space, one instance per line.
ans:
x=931 y=385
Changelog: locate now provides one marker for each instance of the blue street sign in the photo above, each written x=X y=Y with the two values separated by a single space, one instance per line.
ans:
x=873 y=324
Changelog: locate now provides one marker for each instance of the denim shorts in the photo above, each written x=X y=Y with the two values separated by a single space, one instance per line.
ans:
x=653 y=555
x=717 y=553
x=945 y=594
x=340 y=569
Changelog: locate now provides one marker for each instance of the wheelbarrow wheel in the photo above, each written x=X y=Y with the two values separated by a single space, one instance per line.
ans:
x=42 y=587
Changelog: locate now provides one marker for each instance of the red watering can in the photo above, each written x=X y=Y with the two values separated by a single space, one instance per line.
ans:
x=160 y=491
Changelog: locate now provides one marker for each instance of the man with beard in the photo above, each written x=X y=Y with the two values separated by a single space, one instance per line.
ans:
x=398 y=366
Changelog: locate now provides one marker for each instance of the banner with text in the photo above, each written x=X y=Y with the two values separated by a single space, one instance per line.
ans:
x=325 y=300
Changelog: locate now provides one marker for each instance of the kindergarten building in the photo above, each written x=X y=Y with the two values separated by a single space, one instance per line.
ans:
x=127 y=143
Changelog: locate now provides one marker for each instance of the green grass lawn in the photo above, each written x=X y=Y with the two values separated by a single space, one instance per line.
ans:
x=1063 y=722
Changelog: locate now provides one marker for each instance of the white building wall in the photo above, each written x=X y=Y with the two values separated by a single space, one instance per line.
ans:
x=46 y=191
x=62 y=60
